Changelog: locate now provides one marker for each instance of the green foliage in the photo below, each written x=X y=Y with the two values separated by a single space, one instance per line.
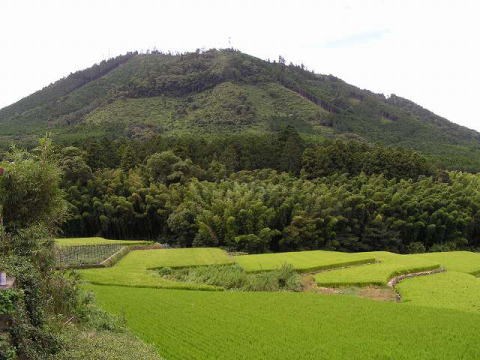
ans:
x=29 y=190
x=32 y=207
x=224 y=91
x=258 y=211
x=74 y=167
x=8 y=300
x=356 y=157
x=234 y=277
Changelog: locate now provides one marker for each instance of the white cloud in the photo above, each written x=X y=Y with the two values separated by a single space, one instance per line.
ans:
x=423 y=50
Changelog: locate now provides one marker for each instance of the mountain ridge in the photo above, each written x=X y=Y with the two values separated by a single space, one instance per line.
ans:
x=226 y=91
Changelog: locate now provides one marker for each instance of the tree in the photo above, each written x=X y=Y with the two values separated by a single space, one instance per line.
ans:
x=74 y=167
x=290 y=150
x=32 y=208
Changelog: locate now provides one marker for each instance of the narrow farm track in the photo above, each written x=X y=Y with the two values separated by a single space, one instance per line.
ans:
x=395 y=280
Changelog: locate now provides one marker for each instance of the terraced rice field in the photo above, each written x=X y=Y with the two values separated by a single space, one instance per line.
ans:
x=461 y=261
x=448 y=290
x=97 y=241
x=388 y=266
x=135 y=268
x=302 y=261
x=248 y=325
x=438 y=317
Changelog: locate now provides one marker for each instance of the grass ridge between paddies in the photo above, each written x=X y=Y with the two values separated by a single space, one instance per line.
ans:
x=91 y=241
x=286 y=325
x=391 y=265
x=136 y=268
x=303 y=261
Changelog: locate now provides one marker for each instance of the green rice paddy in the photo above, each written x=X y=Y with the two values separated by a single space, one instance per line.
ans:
x=282 y=325
x=448 y=290
x=461 y=261
x=438 y=316
x=388 y=266
x=136 y=268
x=302 y=261
x=97 y=241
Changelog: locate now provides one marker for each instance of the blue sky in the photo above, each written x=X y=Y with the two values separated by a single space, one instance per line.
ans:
x=427 y=51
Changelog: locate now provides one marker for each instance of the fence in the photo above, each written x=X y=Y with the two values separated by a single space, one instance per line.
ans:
x=84 y=255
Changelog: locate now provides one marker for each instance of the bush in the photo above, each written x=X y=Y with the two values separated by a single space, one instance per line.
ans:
x=234 y=277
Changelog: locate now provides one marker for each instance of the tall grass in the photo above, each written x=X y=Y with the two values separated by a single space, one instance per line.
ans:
x=235 y=277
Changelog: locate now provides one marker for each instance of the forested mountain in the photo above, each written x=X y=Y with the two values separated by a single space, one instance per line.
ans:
x=225 y=92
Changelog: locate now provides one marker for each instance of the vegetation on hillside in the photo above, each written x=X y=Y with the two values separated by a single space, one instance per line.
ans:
x=228 y=92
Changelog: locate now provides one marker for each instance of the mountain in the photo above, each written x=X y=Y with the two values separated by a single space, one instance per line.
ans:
x=225 y=91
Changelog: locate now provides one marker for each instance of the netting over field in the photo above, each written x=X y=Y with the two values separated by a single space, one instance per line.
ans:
x=74 y=256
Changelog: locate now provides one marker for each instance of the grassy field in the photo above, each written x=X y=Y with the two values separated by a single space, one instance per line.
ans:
x=258 y=325
x=380 y=273
x=448 y=290
x=134 y=268
x=97 y=241
x=302 y=261
x=441 y=309
x=175 y=258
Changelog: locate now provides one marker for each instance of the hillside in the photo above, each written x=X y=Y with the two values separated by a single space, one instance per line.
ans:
x=225 y=91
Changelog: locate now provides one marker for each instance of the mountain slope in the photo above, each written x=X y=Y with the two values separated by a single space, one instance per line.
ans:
x=225 y=91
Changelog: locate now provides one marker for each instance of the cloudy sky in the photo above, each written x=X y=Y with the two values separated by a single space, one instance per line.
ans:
x=427 y=51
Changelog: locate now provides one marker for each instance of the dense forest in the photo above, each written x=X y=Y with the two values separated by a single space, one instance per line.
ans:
x=219 y=148
x=268 y=193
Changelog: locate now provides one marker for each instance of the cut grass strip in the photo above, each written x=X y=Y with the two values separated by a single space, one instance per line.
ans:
x=303 y=261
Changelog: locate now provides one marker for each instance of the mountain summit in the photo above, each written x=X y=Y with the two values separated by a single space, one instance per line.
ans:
x=225 y=91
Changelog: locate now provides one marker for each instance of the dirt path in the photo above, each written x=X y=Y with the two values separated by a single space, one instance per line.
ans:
x=379 y=293
x=394 y=281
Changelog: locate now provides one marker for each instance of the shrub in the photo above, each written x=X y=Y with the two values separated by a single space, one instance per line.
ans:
x=234 y=277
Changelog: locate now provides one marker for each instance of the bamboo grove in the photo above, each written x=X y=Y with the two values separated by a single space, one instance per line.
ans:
x=286 y=195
